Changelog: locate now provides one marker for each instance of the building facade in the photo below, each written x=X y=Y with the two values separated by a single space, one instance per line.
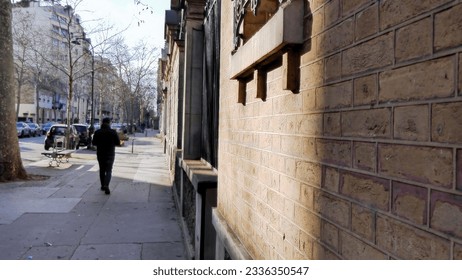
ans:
x=338 y=130
x=44 y=33
x=189 y=116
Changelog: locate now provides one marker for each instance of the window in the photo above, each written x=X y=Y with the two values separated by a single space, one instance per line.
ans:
x=250 y=16
x=55 y=29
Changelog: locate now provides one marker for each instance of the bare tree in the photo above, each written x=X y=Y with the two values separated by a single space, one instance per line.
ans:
x=11 y=166
x=136 y=67
x=66 y=58
x=22 y=46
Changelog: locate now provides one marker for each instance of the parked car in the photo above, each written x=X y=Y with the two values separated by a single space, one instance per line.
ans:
x=84 y=135
x=121 y=132
x=36 y=129
x=46 y=127
x=59 y=130
x=23 y=129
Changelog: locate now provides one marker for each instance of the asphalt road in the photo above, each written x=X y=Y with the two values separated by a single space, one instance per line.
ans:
x=31 y=149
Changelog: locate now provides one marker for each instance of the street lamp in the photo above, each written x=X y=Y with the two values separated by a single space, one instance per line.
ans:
x=92 y=114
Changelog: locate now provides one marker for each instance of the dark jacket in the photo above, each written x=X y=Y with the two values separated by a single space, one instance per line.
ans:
x=105 y=140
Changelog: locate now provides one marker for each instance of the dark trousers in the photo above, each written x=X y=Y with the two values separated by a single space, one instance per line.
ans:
x=105 y=170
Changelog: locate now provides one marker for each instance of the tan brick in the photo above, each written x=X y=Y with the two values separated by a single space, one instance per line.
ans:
x=309 y=149
x=352 y=6
x=308 y=100
x=290 y=167
x=317 y=22
x=286 y=124
x=459 y=170
x=314 y=5
x=308 y=51
x=332 y=125
x=307 y=221
x=365 y=90
x=290 y=232
x=414 y=83
x=309 y=124
x=275 y=183
x=372 y=123
x=331 y=179
x=332 y=68
x=292 y=145
x=414 y=40
x=275 y=200
x=331 y=12
x=290 y=188
x=337 y=37
x=365 y=156
x=288 y=103
x=446 y=124
x=448 y=25
x=355 y=249
x=330 y=235
x=276 y=143
x=306 y=245
x=408 y=243
x=333 y=208
x=334 y=151
x=410 y=202
x=420 y=164
x=362 y=222
x=265 y=175
x=321 y=252
x=335 y=96
x=460 y=74
x=289 y=209
x=267 y=213
x=457 y=251
x=265 y=141
x=367 y=22
x=411 y=123
x=308 y=172
x=249 y=198
x=306 y=196
x=373 y=54
x=393 y=12
x=366 y=189
x=446 y=213
x=312 y=75
x=266 y=109
x=278 y=162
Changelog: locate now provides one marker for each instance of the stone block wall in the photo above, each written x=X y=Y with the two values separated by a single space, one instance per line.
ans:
x=365 y=161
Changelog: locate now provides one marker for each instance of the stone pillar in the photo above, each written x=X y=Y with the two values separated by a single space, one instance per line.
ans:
x=194 y=42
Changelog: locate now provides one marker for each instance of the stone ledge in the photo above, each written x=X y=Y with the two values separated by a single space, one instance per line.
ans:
x=229 y=240
x=283 y=29
x=201 y=174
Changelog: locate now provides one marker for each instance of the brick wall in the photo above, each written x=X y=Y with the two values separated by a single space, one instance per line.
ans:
x=365 y=162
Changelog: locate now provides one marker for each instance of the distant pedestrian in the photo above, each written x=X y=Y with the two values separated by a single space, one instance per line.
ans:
x=105 y=139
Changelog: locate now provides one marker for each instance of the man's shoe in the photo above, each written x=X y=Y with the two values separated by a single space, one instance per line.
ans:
x=107 y=191
x=103 y=188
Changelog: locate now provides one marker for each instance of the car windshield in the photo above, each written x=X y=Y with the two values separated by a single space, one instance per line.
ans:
x=80 y=128
x=58 y=130
x=18 y=125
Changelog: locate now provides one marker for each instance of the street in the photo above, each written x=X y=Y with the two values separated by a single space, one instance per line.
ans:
x=31 y=149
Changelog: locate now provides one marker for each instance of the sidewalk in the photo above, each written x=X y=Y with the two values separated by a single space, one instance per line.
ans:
x=69 y=217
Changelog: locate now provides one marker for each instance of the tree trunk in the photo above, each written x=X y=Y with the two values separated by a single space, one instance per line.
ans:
x=11 y=167
x=37 y=105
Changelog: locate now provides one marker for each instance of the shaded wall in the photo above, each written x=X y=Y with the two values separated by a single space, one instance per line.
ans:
x=365 y=160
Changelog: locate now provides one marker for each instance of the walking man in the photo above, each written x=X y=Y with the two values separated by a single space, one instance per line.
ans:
x=105 y=139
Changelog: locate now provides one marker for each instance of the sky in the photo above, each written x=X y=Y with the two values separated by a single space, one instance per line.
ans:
x=123 y=13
